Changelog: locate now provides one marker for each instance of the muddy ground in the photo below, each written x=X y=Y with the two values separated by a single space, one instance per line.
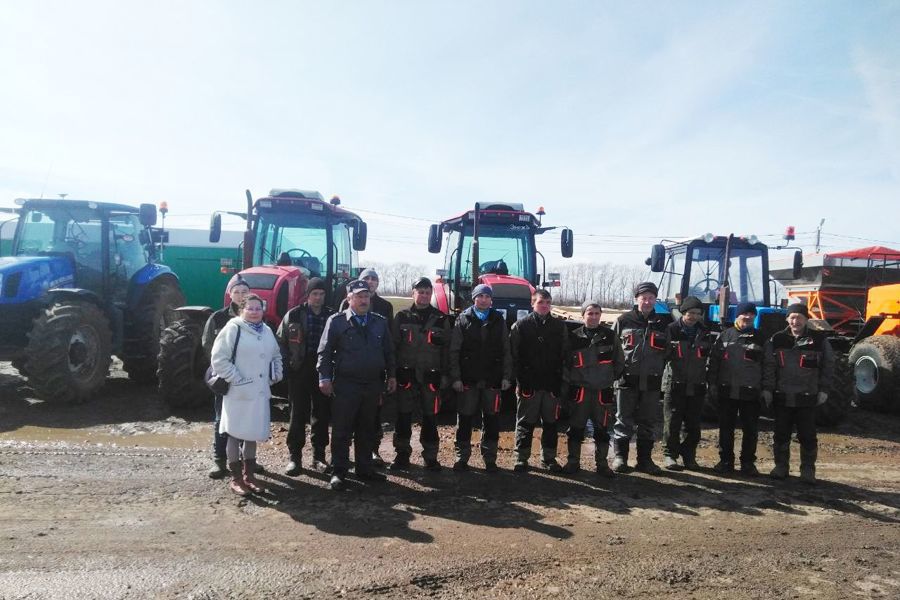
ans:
x=110 y=499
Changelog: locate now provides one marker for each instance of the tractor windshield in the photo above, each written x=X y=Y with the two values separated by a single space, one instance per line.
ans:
x=747 y=274
x=502 y=249
x=312 y=242
x=73 y=230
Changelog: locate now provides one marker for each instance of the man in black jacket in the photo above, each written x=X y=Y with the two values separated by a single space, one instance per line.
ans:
x=684 y=385
x=299 y=335
x=538 y=343
x=735 y=380
x=355 y=354
x=421 y=335
x=480 y=368
x=797 y=372
x=238 y=290
x=643 y=336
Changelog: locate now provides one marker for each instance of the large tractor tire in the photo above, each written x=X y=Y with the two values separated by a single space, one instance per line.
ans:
x=154 y=312
x=68 y=353
x=876 y=371
x=840 y=398
x=182 y=364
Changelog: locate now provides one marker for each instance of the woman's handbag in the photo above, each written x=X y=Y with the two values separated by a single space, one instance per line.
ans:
x=215 y=383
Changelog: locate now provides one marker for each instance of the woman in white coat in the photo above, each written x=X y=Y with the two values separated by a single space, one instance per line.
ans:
x=245 y=408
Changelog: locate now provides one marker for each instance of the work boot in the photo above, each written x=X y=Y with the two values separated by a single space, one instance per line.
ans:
x=431 y=464
x=250 y=479
x=724 y=467
x=671 y=464
x=782 y=454
x=521 y=466
x=551 y=465
x=376 y=459
x=749 y=469
x=218 y=470
x=237 y=484
x=372 y=475
x=294 y=467
x=570 y=468
x=690 y=463
x=620 y=462
x=401 y=462
x=337 y=482
x=490 y=466
x=461 y=465
x=601 y=453
x=808 y=466
x=573 y=461
x=645 y=462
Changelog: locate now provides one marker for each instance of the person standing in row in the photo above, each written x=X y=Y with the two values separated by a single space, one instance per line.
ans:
x=798 y=368
x=421 y=335
x=684 y=385
x=380 y=306
x=594 y=361
x=246 y=354
x=355 y=354
x=480 y=367
x=538 y=344
x=238 y=290
x=735 y=380
x=643 y=336
x=299 y=335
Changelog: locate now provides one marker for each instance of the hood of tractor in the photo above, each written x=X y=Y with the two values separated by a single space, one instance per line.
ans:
x=279 y=287
x=511 y=295
x=25 y=278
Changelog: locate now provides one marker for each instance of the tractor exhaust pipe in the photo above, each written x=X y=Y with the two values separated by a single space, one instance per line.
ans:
x=248 y=234
x=475 y=231
x=725 y=287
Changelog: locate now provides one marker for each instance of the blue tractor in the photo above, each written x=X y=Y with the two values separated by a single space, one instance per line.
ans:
x=80 y=286
x=723 y=271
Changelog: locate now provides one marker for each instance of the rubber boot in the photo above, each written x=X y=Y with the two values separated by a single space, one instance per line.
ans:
x=620 y=462
x=401 y=462
x=250 y=476
x=645 y=462
x=573 y=461
x=600 y=455
x=689 y=458
x=808 y=465
x=524 y=437
x=218 y=470
x=782 y=454
x=237 y=484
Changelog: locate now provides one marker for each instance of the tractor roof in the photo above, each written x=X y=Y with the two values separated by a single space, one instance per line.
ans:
x=294 y=199
x=743 y=241
x=46 y=203
x=497 y=212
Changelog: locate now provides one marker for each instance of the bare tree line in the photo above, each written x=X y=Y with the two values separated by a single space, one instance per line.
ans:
x=608 y=283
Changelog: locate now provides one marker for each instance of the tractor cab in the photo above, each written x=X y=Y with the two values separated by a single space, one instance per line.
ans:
x=493 y=244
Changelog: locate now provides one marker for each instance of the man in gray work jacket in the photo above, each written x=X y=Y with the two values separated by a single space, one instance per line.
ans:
x=355 y=357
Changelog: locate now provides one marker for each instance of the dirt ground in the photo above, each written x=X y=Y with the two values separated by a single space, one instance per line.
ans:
x=110 y=499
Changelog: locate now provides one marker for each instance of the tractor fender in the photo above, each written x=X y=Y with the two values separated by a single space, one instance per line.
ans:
x=199 y=314
x=149 y=273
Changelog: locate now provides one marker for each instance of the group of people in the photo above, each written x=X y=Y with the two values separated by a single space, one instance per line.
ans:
x=340 y=366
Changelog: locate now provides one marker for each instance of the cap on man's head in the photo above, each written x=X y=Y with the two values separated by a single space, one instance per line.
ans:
x=237 y=280
x=589 y=303
x=368 y=272
x=316 y=283
x=422 y=282
x=645 y=287
x=356 y=286
x=798 y=308
x=482 y=288
x=690 y=303
x=745 y=308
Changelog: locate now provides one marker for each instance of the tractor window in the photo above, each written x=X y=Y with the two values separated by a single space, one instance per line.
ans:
x=746 y=274
x=502 y=250
x=298 y=239
x=126 y=253
x=670 y=285
x=343 y=255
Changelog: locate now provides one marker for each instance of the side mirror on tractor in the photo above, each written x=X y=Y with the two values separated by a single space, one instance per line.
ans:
x=434 y=239
x=797 y=267
x=657 y=258
x=148 y=215
x=360 y=233
x=567 y=243
x=215 y=228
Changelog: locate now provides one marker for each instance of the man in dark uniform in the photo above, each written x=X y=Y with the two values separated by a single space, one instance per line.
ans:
x=684 y=385
x=480 y=367
x=355 y=354
x=643 y=336
x=538 y=344
x=238 y=290
x=421 y=336
x=299 y=335
x=798 y=368
x=593 y=363
x=380 y=306
x=735 y=380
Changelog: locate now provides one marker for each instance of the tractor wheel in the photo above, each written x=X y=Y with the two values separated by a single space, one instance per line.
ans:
x=182 y=364
x=153 y=313
x=876 y=370
x=840 y=397
x=68 y=353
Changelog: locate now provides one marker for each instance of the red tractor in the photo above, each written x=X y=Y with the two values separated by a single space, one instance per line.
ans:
x=291 y=236
x=493 y=244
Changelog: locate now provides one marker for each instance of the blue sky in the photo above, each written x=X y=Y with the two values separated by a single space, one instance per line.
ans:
x=627 y=121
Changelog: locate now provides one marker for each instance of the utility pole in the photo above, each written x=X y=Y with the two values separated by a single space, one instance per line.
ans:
x=819 y=235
